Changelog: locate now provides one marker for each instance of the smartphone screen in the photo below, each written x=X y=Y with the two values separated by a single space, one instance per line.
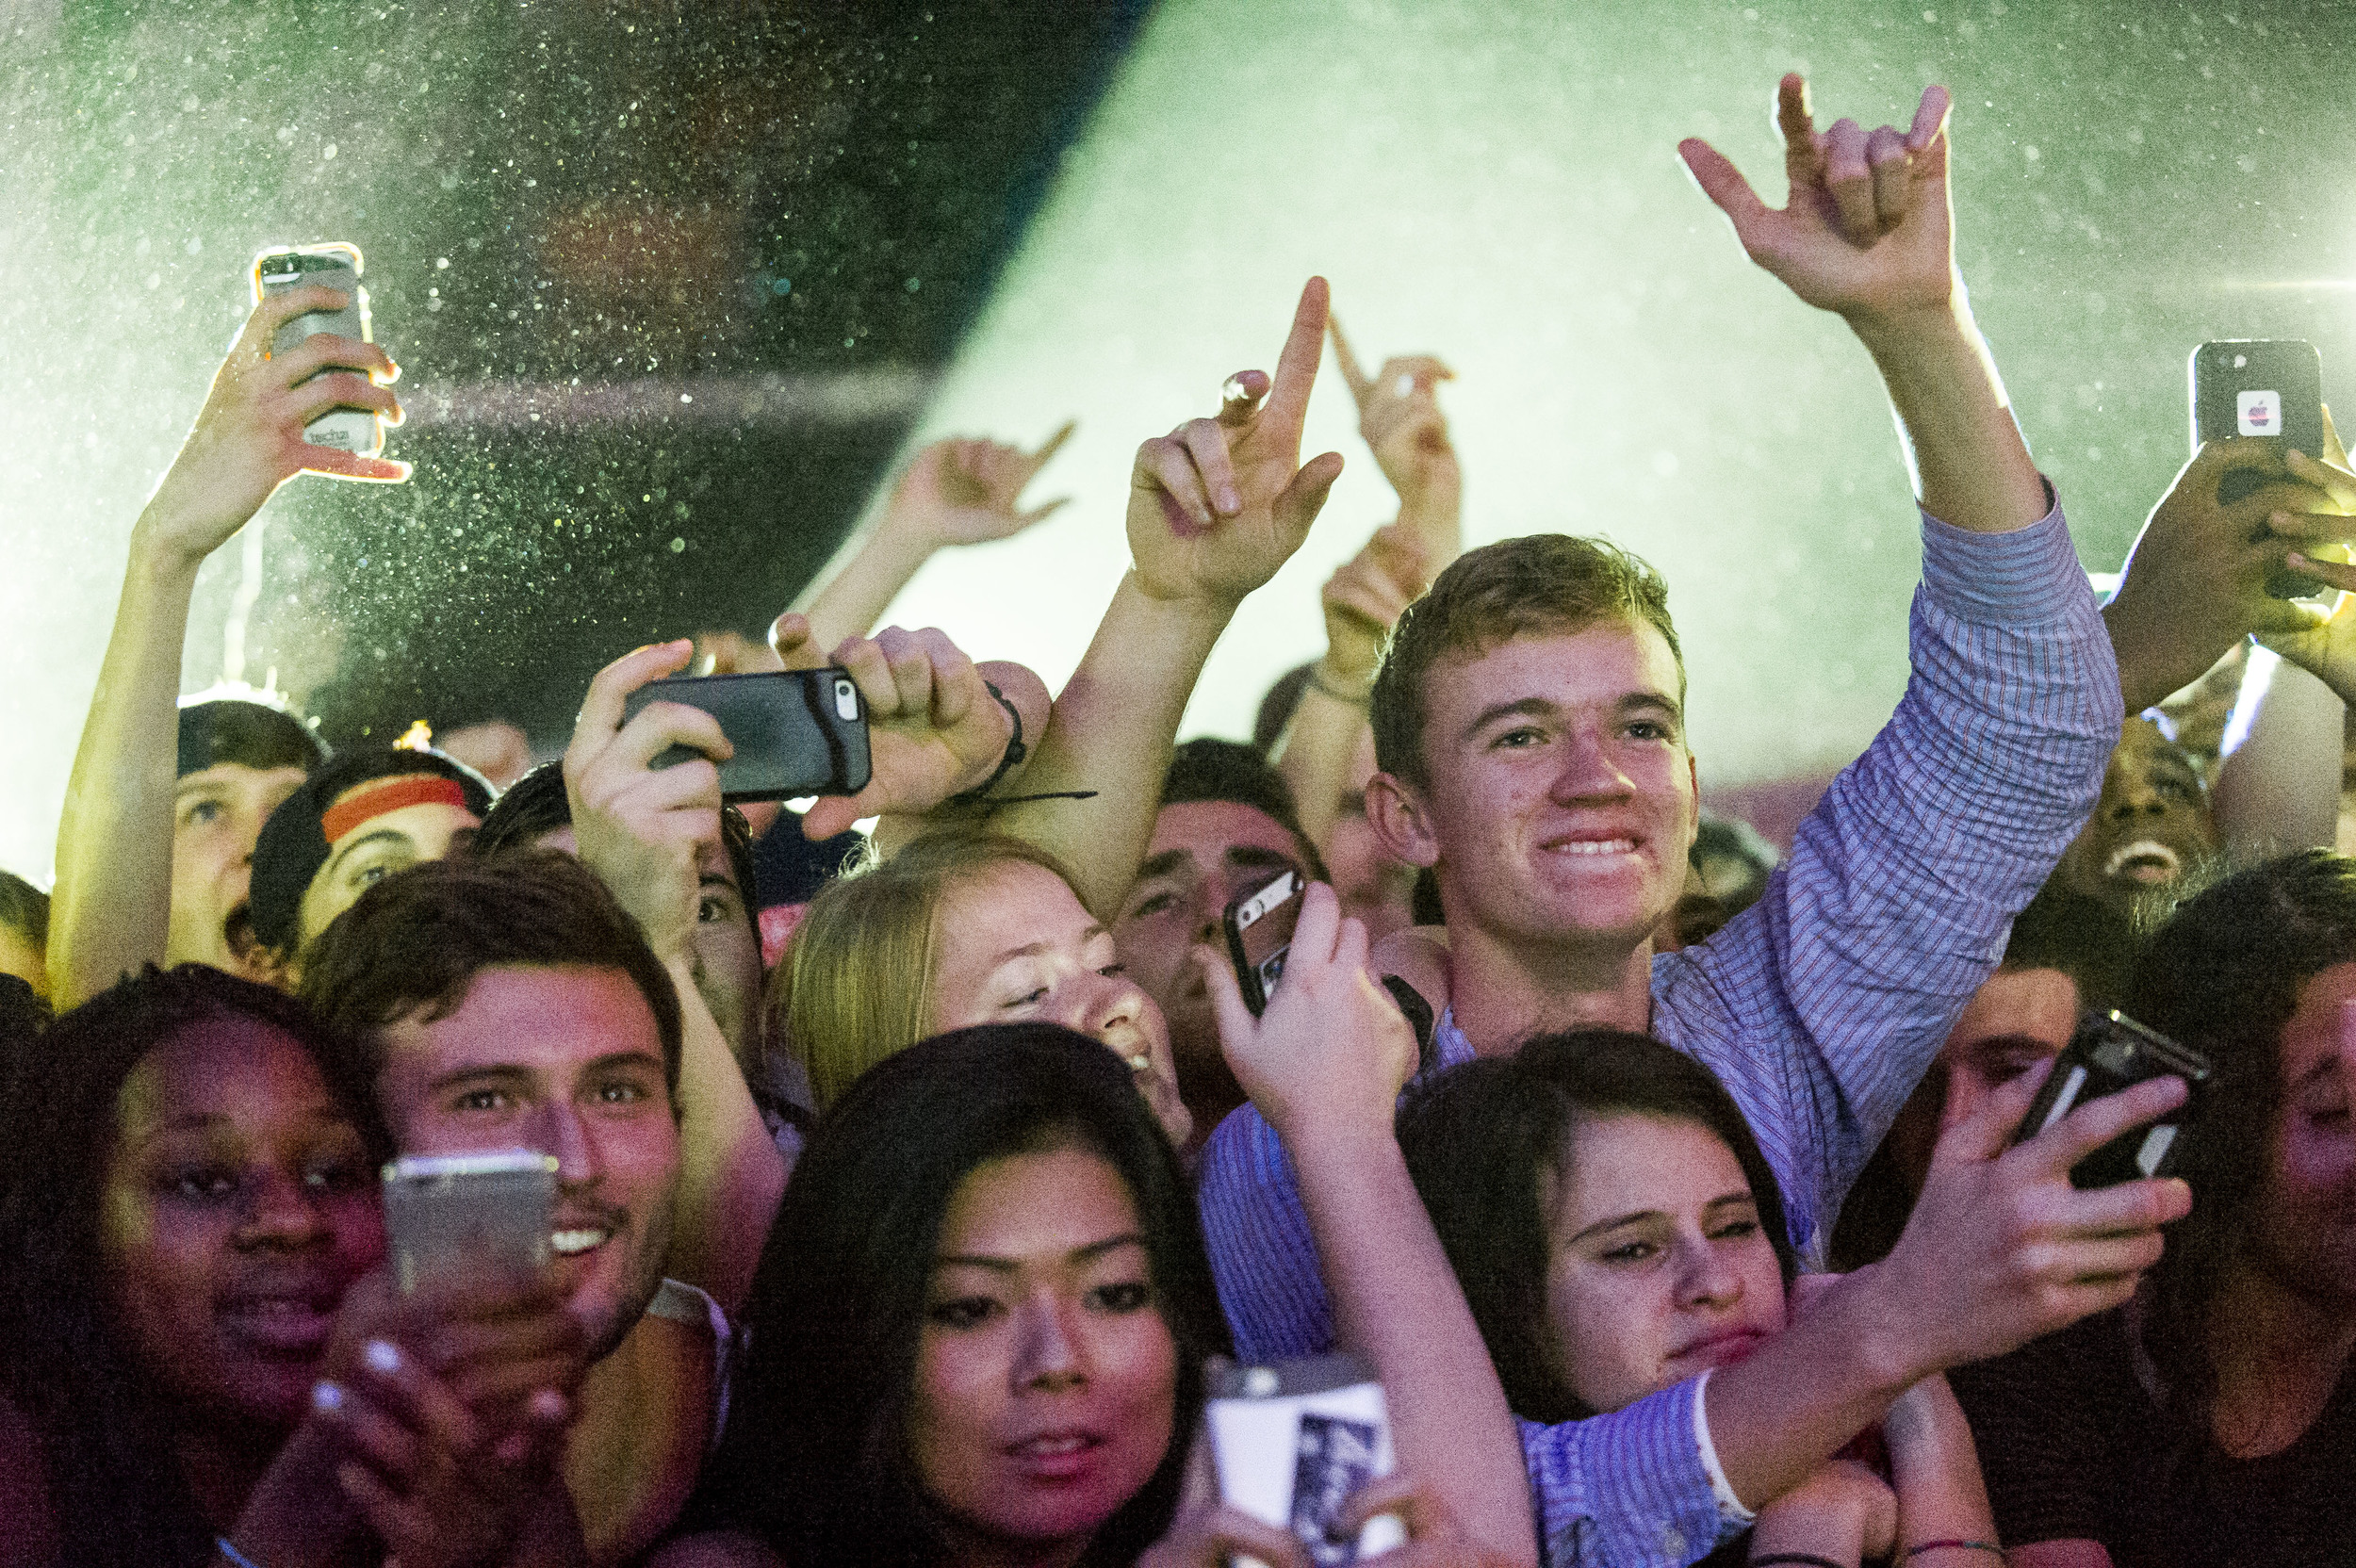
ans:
x=1260 y=935
x=796 y=732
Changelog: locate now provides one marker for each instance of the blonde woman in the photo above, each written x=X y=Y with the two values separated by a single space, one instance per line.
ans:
x=958 y=930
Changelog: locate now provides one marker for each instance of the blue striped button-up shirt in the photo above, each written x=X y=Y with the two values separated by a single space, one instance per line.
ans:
x=1819 y=1007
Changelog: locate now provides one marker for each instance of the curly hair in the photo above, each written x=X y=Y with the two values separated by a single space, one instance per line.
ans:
x=117 y=1491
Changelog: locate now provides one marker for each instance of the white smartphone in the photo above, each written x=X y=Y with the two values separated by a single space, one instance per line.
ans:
x=1294 y=1440
x=447 y=1212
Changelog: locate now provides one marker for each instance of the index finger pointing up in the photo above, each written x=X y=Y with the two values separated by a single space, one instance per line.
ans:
x=1296 y=367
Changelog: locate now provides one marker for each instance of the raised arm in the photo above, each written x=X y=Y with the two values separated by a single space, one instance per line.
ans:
x=1324 y=1065
x=1398 y=414
x=639 y=829
x=1840 y=984
x=1868 y=234
x=1363 y=601
x=954 y=491
x=111 y=908
x=1215 y=508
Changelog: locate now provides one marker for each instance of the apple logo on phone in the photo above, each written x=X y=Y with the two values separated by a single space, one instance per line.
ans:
x=2258 y=413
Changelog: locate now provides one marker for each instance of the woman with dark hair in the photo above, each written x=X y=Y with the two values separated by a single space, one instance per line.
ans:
x=199 y=1361
x=1620 y=1240
x=979 y=1331
x=2212 y=1420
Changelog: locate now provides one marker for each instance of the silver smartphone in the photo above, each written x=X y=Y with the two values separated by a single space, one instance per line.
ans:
x=1294 y=1440
x=446 y=1214
x=337 y=266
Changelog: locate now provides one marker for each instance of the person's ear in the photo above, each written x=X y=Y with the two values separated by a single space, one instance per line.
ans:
x=1693 y=793
x=1401 y=819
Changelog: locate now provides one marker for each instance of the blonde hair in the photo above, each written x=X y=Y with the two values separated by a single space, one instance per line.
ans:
x=854 y=985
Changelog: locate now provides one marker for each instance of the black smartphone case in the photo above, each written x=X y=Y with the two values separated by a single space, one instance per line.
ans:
x=796 y=732
x=2287 y=367
x=2111 y=1052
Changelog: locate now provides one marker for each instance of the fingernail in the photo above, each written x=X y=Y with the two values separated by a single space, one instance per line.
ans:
x=1228 y=500
x=548 y=1405
x=381 y=1357
x=2295 y=559
x=327 y=1397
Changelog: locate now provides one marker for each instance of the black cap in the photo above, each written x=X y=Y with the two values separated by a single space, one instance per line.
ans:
x=293 y=845
x=251 y=731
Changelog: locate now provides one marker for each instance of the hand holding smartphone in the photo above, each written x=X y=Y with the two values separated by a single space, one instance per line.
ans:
x=336 y=266
x=796 y=732
x=2111 y=1052
x=2259 y=389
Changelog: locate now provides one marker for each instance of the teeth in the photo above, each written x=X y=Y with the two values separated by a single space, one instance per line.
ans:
x=1056 y=1445
x=1140 y=1063
x=1598 y=846
x=567 y=1243
x=2151 y=850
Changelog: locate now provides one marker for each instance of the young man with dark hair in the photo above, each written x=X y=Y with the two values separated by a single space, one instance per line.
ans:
x=1226 y=828
x=514 y=1002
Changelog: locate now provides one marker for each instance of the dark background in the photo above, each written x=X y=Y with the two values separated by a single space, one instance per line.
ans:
x=582 y=211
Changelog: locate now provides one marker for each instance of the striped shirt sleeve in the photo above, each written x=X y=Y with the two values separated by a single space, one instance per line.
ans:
x=1626 y=1489
x=1821 y=1005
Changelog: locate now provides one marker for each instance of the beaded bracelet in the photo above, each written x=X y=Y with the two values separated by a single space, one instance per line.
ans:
x=1959 y=1545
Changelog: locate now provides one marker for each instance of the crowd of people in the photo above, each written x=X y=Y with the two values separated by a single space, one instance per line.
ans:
x=909 y=1182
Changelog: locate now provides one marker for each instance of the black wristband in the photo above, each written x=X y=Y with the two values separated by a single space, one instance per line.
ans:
x=1016 y=752
x=1799 y=1559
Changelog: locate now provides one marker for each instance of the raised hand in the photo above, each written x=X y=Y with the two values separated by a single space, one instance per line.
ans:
x=1399 y=417
x=2002 y=1249
x=933 y=730
x=1868 y=228
x=248 y=438
x=1364 y=598
x=1333 y=1051
x=2324 y=644
x=2195 y=582
x=437 y=1423
x=960 y=492
x=1218 y=505
x=638 y=826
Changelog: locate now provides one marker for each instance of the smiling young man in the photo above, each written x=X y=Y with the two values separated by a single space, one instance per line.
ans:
x=1530 y=727
x=514 y=1003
